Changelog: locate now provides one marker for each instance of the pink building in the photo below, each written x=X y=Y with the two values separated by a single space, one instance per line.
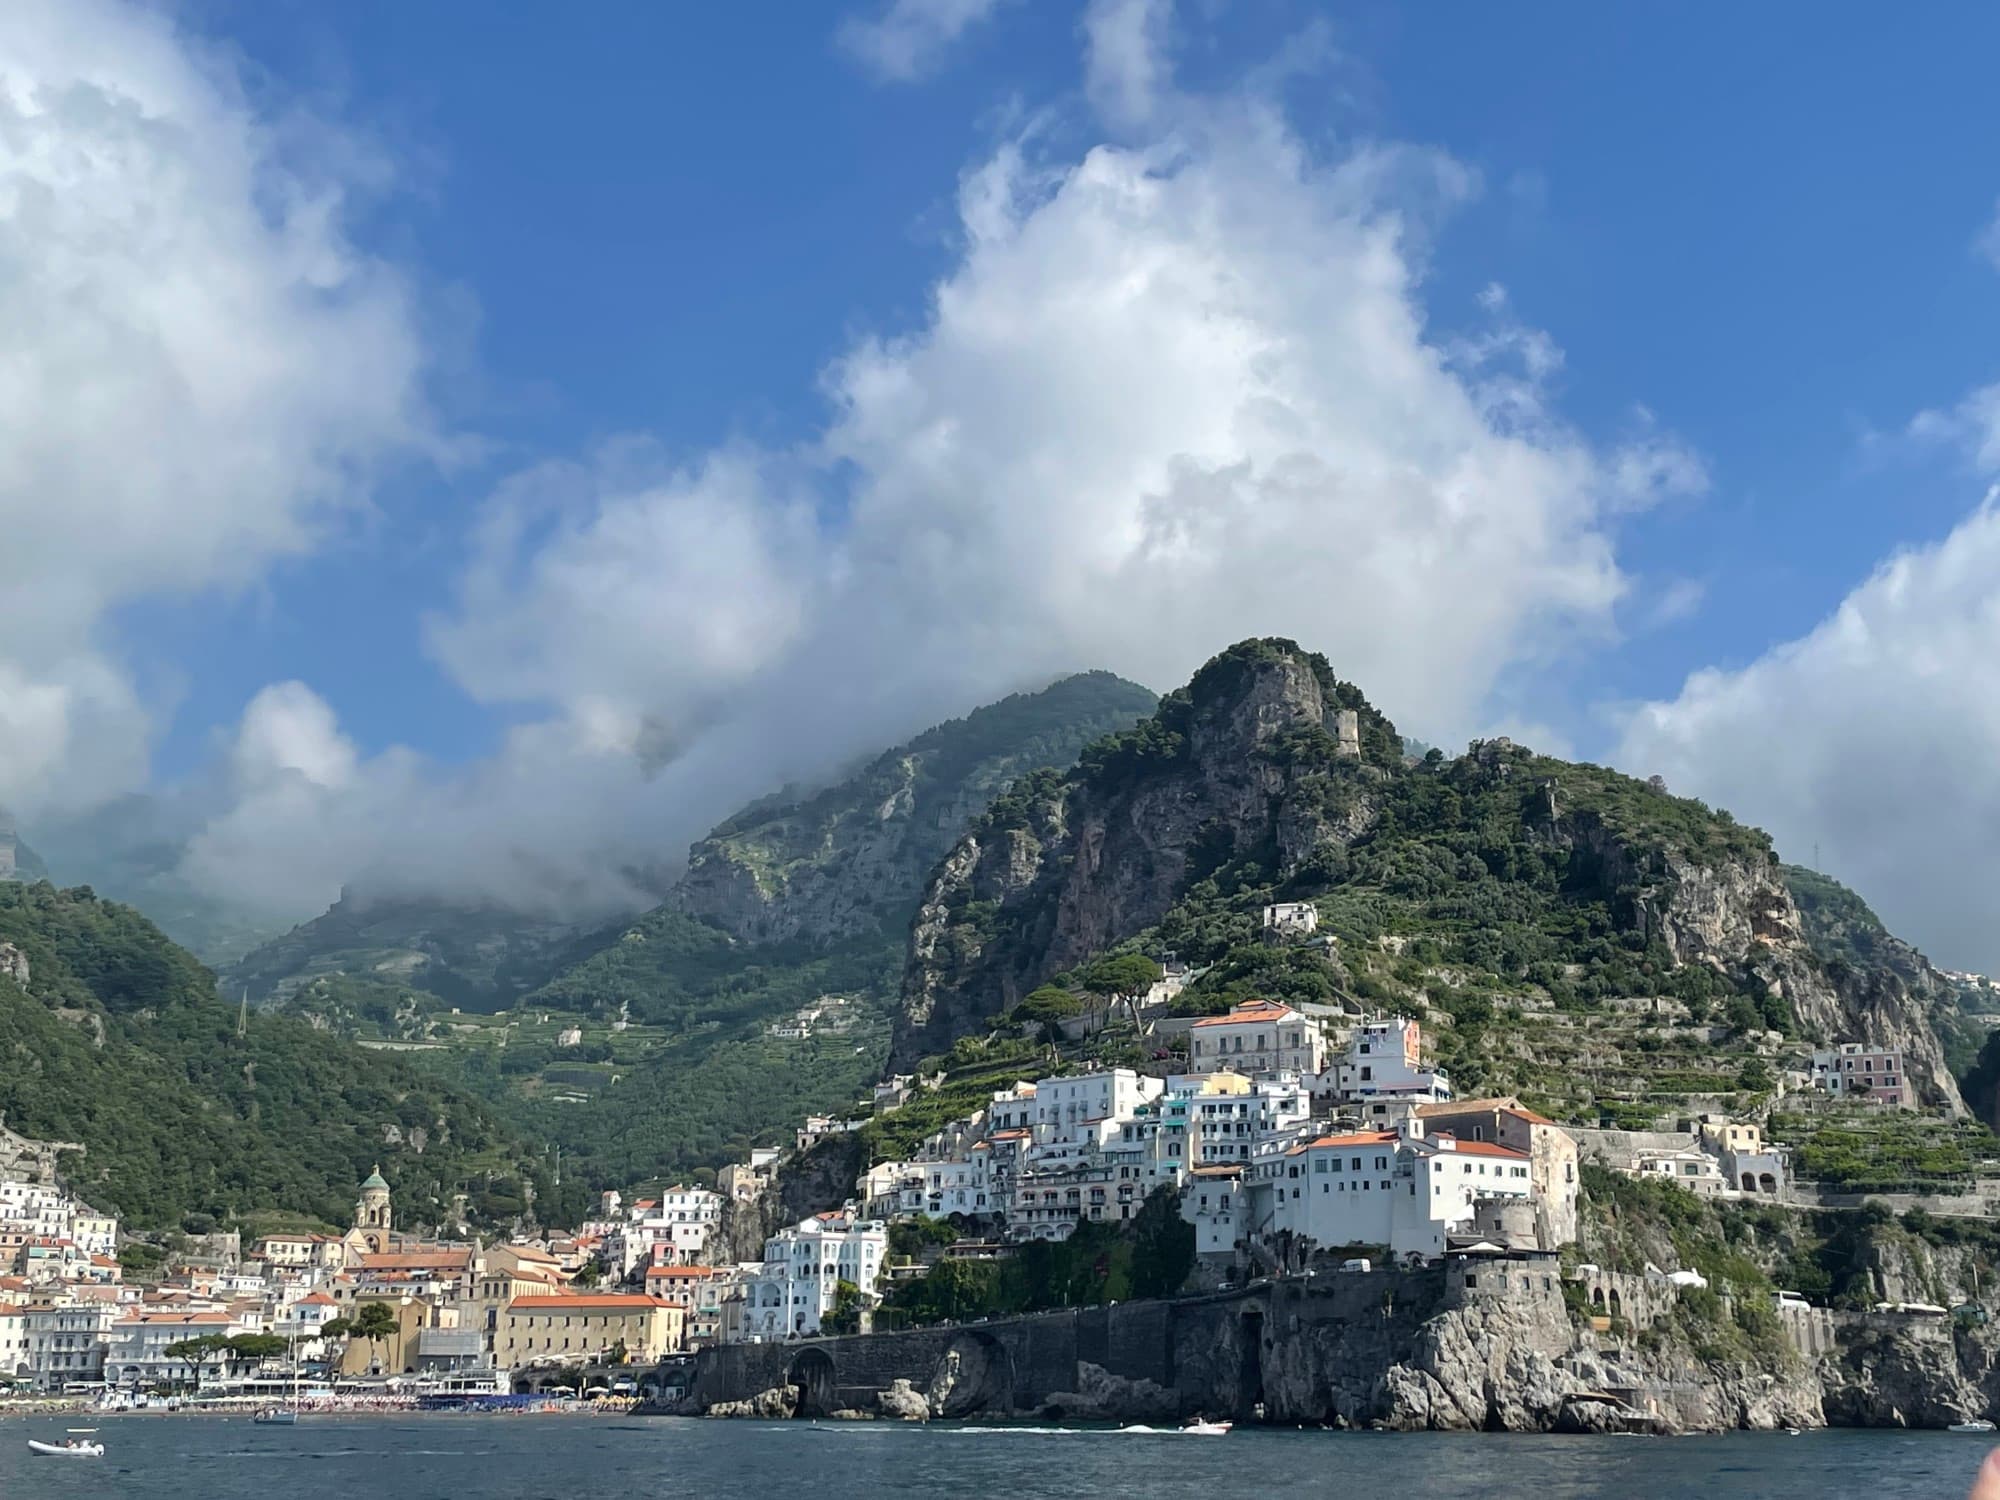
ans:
x=1858 y=1070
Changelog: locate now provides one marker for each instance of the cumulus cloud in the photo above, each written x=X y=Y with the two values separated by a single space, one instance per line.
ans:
x=908 y=38
x=198 y=369
x=1172 y=392
x=1125 y=62
x=1874 y=737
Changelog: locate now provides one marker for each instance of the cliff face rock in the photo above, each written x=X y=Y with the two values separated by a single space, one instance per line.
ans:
x=1264 y=755
x=804 y=1184
x=852 y=857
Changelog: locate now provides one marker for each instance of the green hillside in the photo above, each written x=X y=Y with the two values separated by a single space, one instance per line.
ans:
x=119 y=1043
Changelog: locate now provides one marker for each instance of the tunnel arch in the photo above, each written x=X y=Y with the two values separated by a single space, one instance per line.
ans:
x=974 y=1374
x=813 y=1374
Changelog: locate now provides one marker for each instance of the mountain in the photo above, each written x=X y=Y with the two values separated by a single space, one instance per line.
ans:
x=131 y=849
x=480 y=958
x=851 y=858
x=790 y=900
x=115 y=1039
x=17 y=860
x=1570 y=933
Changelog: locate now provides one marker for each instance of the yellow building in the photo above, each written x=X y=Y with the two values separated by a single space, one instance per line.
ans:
x=396 y=1354
x=566 y=1330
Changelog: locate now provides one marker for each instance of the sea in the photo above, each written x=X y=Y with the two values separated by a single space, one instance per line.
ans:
x=445 y=1457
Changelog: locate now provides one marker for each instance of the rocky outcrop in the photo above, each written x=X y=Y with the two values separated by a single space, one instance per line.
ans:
x=903 y=1402
x=1101 y=1396
x=778 y=1402
x=1246 y=761
x=852 y=858
x=14 y=964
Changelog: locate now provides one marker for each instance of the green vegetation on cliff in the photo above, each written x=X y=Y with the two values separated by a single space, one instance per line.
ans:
x=120 y=1043
x=1149 y=1256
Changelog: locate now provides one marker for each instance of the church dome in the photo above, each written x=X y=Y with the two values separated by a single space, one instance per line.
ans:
x=375 y=1180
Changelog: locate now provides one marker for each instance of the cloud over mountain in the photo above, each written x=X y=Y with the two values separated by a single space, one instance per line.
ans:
x=200 y=370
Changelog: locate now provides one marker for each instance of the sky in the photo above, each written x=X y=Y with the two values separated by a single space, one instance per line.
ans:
x=471 y=448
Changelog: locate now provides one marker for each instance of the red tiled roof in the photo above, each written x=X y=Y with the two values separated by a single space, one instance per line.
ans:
x=1482 y=1148
x=1250 y=1011
x=1359 y=1138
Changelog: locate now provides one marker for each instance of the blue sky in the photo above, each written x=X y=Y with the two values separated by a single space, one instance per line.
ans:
x=669 y=219
x=1748 y=254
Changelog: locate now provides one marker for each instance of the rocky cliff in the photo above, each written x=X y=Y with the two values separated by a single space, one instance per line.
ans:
x=852 y=857
x=1494 y=894
x=1265 y=756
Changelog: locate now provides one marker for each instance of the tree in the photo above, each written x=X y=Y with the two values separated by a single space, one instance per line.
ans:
x=199 y=1352
x=257 y=1346
x=1049 y=1003
x=1122 y=974
x=1162 y=1245
x=375 y=1322
x=845 y=1316
x=589 y=1274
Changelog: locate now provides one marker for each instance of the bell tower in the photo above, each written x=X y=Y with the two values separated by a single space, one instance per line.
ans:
x=371 y=1213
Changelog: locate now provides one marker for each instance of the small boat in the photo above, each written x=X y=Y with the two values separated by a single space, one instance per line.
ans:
x=1199 y=1428
x=276 y=1416
x=1977 y=1424
x=70 y=1449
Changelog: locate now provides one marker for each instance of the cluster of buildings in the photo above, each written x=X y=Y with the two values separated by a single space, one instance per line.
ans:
x=1274 y=1135
x=462 y=1317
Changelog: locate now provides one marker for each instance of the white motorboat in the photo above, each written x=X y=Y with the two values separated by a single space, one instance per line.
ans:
x=277 y=1416
x=70 y=1449
x=1199 y=1428
x=1977 y=1424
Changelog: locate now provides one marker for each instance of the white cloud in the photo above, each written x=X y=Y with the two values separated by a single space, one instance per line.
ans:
x=910 y=37
x=1172 y=393
x=1972 y=427
x=1988 y=243
x=1875 y=736
x=198 y=370
x=1125 y=63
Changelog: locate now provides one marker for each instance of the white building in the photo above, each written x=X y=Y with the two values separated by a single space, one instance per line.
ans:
x=1400 y=1189
x=1290 y=919
x=66 y=1344
x=1069 y=1109
x=1383 y=1062
x=798 y=1281
x=13 y=1339
x=1212 y=1200
x=1259 y=1036
x=136 y=1344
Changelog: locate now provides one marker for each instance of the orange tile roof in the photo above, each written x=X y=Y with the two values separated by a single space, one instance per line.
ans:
x=694 y=1271
x=1359 y=1138
x=413 y=1260
x=1500 y=1104
x=318 y=1299
x=1250 y=1011
x=1483 y=1148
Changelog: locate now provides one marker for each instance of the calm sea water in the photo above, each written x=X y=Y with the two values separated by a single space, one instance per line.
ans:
x=561 y=1458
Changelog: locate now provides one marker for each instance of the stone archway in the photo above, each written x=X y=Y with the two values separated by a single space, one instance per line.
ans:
x=1616 y=1304
x=1767 y=1182
x=1597 y=1298
x=812 y=1372
x=974 y=1374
